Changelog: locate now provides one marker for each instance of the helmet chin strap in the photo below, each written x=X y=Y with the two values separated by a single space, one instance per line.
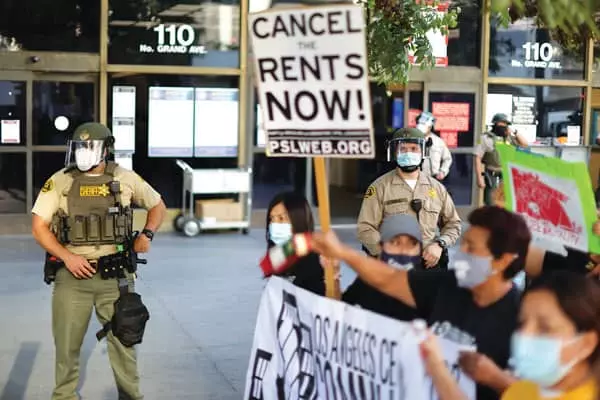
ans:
x=410 y=168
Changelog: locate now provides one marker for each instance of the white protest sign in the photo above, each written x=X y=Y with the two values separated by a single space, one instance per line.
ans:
x=312 y=77
x=311 y=347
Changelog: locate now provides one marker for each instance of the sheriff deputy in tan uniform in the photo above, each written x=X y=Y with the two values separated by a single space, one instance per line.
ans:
x=75 y=220
x=406 y=190
x=487 y=160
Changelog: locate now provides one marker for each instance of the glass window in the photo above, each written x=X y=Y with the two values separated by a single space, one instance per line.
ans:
x=45 y=164
x=162 y=172
x=543 y=114
x=50 y=26
x=525 y=51
x=464 y=40
x=197 y=33
x=455 y=117
x=58 y=108
x=183 y=116
x=13 y=113
x=12 y=183
x=415 y=106
x=273 y=175
x=460 y=179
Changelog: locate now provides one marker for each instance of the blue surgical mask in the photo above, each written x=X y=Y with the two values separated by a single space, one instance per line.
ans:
x=409 y=159
x=470 y=270
x=402 y=262
x=280 y=233
x=537 y=359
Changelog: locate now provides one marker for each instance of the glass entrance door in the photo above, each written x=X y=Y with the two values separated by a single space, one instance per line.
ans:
x=458 y=121
x=38 y=113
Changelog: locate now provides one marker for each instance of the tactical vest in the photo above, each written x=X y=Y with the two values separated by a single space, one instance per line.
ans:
x=491 y=159
x=96 y=215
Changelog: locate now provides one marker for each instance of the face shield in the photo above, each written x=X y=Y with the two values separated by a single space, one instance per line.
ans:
x=407 y=152
x=425 y=123
x=85 y=154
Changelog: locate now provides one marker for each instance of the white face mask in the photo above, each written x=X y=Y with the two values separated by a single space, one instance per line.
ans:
x=86 y=159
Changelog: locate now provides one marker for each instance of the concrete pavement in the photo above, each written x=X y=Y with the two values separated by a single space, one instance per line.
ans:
x=202 y=293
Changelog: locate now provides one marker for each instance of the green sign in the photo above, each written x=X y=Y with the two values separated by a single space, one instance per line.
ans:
x=554 y=196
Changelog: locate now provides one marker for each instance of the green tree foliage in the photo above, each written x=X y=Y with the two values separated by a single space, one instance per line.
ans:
x=397 y=27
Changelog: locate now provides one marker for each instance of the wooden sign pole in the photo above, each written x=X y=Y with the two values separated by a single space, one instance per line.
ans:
x=332 y=283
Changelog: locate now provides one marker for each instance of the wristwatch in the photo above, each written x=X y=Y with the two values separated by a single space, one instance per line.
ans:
x=442 y=243
x=148 y=233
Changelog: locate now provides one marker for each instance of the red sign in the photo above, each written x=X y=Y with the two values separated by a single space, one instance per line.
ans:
x=540 y=202
x=452 y=117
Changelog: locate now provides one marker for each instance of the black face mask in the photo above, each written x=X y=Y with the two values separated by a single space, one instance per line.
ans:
x=499 y=130
x=401 y=261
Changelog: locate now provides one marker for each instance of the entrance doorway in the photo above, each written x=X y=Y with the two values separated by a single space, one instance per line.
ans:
x=38 y=113
x=458 y=115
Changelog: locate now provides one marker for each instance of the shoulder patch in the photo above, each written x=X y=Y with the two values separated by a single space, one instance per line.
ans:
x=48 y=186
x=370 y=192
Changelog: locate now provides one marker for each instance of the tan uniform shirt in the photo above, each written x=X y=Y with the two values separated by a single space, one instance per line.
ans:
x=488 y=145
x=53 y=197
x=390 y=195
x=440 y=158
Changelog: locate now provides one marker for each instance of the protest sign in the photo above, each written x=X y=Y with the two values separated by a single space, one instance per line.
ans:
x=554 y=196
x=310 y=347
x=312 y=77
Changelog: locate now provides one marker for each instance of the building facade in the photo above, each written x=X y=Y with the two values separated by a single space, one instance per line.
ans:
x=171 y=80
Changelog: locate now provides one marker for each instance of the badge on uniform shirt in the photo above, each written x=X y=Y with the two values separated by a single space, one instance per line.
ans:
x=94 y=191
x=370 y=192
x=432 y=193
x=48 y=186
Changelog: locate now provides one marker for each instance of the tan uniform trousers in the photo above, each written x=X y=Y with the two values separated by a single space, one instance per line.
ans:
x=72 y=303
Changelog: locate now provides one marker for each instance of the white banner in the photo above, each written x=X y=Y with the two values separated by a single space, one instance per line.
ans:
x=313 y=82
x=310 y=347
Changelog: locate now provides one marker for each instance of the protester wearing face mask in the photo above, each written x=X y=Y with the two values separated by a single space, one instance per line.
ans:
x=439 y=158
x=401 y=248
x=473 y=303
x=487 y=163
x=555 y=352
x=289 y=213
x=406 y=190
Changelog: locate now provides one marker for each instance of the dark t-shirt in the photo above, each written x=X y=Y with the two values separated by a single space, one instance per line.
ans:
x=361 y=294
x=452 y=314
x=308 y=274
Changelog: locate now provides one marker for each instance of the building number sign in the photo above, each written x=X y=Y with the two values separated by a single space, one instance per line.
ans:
x=173 y=39
x=537 y=55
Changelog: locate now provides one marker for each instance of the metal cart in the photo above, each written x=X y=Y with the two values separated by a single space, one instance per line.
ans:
x=212 y=181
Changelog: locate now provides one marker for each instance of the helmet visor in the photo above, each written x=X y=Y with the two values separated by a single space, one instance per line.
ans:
x=85 y=154
x=406 y=145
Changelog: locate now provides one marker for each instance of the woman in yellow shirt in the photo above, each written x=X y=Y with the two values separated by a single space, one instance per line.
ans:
x=556 y=351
